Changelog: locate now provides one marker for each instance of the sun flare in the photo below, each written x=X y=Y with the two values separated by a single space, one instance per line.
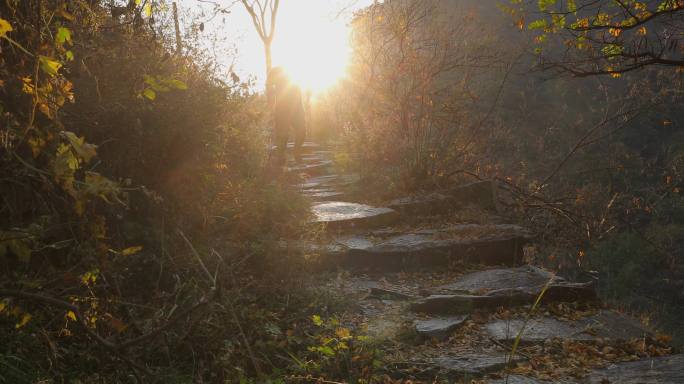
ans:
x=313 y=51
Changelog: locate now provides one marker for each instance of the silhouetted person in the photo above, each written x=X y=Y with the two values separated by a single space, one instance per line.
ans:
x=289 y=113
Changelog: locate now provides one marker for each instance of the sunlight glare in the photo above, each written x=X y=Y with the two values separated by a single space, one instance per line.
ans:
x=313 y=51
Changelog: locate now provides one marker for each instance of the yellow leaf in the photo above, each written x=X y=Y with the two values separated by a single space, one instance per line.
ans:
x=25 y=318
x=49 y=65
x=28 y=87
x=150 y=94
x=343 y=333
x=5 y=27
x=71 y=315
x=2 y=306
x=131 y=250
x=148 y=10
x=90 y=277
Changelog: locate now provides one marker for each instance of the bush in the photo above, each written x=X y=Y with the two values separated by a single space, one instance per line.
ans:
x=128 y=173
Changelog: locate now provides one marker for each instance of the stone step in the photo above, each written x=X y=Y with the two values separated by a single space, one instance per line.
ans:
x=439 y=328
x=503 y=287
x=322 y=194
x=471 y=365
x=656 y=370
x=307 y=146
x=318 y=168
x=328 y=181
x=481 y=194
x=604 y=325
x=519 y=379
x=339 y=215
x=476 y=347
x=390 y=250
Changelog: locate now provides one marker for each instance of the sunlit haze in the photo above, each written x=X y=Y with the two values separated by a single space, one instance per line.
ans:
x=311 y=41
x=313 y=49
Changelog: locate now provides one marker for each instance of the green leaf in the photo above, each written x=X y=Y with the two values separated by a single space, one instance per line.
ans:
x=537 y=24
x=326 y=350
x=18 y=246
x=69 y=55
x=612 y=50
x=545 y=4
x=106 y=189
x=84 y=150
x=176 y=84
x=317 y=320
x=49 y=65
x=63 y=36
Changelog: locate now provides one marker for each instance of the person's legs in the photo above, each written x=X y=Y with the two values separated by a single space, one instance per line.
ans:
x=281 y=136
x=299 y=128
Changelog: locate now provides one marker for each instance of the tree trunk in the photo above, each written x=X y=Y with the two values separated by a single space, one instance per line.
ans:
x=177 y=29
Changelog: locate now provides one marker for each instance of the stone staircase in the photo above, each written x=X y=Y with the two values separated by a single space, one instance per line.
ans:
x=447 y=301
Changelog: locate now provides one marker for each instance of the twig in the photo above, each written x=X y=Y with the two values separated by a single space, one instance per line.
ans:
x=502 y=345
x=199 y=259
x=71 y=307
x=157 y=331
x=117 y=349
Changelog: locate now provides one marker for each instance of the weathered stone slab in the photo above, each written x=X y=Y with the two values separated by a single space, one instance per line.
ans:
x=482 y=282
x=481 y=194
x=658 y=370
x=503 y=287
x=440 y=327
x=319 y=182
x=316 y=168
x=470 y=365
x=537 y=330
x=605 y=325
x=329 y=181
x=322 y=194
x=615 y=326
x=527 y=282
x=491 y=244
x=307 y=146
x=349 y=215
x=518 y=379
x=387 y=294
